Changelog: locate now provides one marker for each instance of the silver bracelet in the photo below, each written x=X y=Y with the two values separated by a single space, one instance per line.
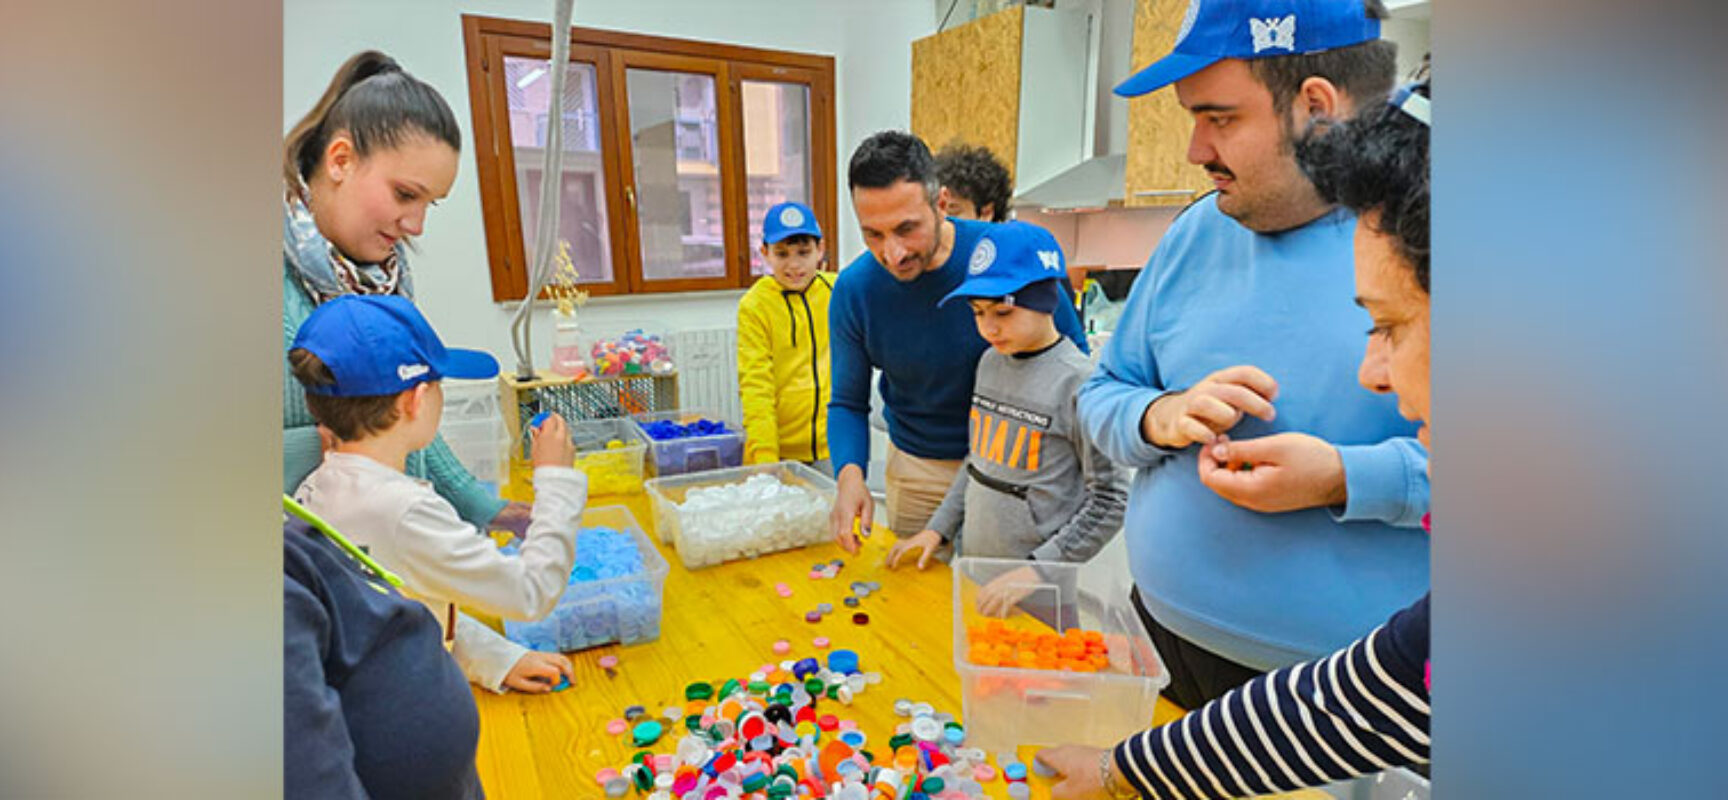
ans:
x=1104 y=760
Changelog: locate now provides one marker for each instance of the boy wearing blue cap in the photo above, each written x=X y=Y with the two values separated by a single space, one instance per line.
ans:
x=1032 y=486
x=783 y=344
x=371 y=367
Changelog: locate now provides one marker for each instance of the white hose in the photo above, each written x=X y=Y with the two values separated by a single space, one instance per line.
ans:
x=551 y=183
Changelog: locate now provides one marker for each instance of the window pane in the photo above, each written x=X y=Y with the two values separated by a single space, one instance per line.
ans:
x=582 y=207
x=776 y=153
x=674 y=132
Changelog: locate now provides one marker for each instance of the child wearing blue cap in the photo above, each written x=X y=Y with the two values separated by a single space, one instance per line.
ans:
x=371 y=367
x=1033 y=486
x=783 y=344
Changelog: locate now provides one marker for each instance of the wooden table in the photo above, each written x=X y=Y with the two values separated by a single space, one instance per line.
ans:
x=722 y=622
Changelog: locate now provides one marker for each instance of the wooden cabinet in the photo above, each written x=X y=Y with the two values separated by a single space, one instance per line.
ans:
x=1158 y=128
x=1014 y=81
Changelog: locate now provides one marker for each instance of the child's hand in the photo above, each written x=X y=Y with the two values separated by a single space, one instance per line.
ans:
x=537 y=673
x=998 y=597
x=927 y=540
x=552 y=446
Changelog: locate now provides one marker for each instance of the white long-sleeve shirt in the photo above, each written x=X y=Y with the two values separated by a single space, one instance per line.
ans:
x=444 y=561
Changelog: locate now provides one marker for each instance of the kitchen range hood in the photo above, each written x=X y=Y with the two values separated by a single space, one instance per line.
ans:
x=1090 y=185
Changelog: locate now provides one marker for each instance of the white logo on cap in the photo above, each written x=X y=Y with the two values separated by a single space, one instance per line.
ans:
x=1187 y=22
x=1269 y=33
x=409 y=372
x=791 y=217
x=982 y=257
x=1052 y=260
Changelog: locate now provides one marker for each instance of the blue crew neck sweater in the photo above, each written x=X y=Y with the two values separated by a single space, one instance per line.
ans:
x=1264 y=590
x=928 y=355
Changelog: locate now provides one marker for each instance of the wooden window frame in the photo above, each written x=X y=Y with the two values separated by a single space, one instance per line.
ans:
x=488 y=40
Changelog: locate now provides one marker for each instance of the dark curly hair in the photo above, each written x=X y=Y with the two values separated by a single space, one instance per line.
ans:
x=975 y=174
x=1377 y=161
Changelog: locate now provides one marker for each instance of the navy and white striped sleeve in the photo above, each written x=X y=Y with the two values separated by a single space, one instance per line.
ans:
x=1361 y=710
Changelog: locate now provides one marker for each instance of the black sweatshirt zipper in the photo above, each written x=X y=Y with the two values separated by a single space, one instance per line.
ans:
x=815 y=376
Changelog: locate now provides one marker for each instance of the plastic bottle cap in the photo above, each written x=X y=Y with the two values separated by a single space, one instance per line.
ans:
x=646 y=733
x=925 y=729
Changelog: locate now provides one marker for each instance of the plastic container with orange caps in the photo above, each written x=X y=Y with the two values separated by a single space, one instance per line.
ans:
x=1049 y=654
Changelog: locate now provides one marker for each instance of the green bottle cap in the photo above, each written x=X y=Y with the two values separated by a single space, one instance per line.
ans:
x=698 y=691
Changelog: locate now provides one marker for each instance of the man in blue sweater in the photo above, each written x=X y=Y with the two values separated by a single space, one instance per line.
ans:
x=1239 y=346
x=883 y=315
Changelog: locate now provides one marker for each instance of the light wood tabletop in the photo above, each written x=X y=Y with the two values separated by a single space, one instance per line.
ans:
x=721 y=622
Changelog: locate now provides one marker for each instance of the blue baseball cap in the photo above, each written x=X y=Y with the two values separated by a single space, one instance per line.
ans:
x=1215 y=30
x=787 y=220
x=1009 y=257
x=381 y=345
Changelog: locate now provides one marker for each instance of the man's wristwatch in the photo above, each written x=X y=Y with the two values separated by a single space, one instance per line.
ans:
x=1106 y=776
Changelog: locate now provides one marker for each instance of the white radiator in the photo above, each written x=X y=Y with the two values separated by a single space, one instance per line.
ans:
x=708 y=370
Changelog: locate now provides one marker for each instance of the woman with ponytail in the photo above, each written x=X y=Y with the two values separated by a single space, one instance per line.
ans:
x=359 y=172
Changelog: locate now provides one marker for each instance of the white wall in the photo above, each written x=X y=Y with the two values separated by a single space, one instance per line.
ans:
x=870 y=43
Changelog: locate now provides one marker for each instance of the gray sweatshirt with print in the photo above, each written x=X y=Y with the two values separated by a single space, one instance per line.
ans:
x=1032 y=485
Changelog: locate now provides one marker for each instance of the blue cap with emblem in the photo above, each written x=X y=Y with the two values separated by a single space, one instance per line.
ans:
x=787 y=220
x=1012 y=262
x=380 y=345
x=1215 y=30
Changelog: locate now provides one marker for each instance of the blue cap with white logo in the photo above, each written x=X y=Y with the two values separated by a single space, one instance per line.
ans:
x=1215 y=30
x=1008 y=258
x=789 y=219
x=381 y=345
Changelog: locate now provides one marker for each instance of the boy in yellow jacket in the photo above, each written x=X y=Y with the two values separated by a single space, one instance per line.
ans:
x=783 y=344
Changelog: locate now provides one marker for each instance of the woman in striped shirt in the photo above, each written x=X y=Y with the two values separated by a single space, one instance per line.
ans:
x=1365 y=708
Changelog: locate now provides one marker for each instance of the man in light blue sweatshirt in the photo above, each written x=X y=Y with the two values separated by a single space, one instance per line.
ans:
x=1239 y=344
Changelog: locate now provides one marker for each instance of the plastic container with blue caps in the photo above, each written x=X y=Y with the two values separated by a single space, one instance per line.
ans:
x=615 y=591
x=691 y=440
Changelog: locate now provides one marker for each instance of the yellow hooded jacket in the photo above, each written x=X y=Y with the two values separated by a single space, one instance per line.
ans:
x=783 y=370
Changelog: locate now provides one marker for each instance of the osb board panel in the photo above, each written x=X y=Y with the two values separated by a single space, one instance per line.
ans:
x=966 y=85
x=1158 y=128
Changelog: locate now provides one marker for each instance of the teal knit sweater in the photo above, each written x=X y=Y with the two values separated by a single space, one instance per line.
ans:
x=302 y=451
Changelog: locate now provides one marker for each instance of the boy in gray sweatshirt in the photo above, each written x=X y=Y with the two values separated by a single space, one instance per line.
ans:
x=1032 y=486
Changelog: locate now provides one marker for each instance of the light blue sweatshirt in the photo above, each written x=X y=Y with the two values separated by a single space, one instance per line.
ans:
x=1264 y=590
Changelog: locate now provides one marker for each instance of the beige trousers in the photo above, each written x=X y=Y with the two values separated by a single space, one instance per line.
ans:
x=915 y=487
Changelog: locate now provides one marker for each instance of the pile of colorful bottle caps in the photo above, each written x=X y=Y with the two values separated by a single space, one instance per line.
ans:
x=634 y=353
x=767 y=738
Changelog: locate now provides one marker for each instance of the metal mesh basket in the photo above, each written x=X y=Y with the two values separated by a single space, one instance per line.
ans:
x=594 y=398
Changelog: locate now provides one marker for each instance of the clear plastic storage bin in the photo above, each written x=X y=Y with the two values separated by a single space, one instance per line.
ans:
x=598 y=609
x=482 y=445
x=471 y=400
x=695 y=453
x=724 y=515
x=612 y=453
x=1033 y=702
